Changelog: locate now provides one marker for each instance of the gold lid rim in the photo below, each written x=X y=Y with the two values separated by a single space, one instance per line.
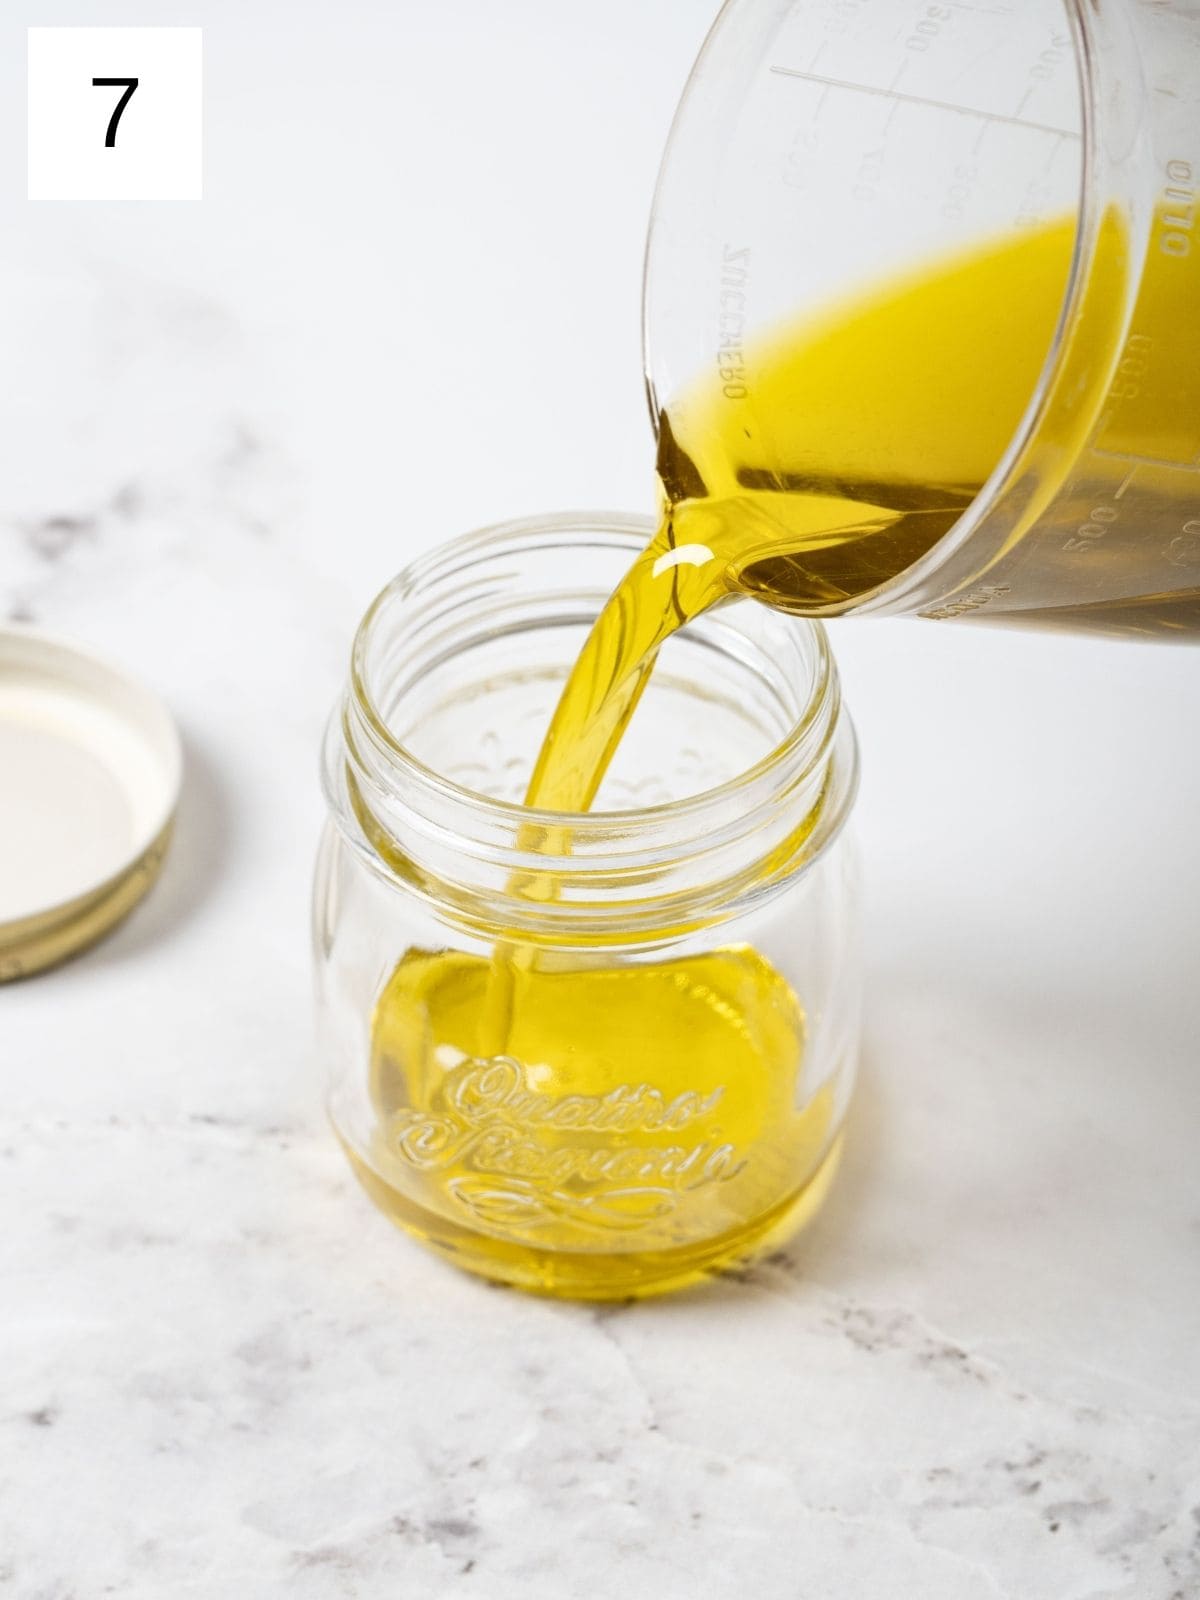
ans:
x=32 y=944
x=35 y=662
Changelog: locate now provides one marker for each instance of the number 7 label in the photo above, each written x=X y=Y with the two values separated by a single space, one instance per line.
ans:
x=129 y=85
x=115 y=113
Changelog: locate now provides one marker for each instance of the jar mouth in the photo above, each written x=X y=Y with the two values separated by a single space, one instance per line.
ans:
x=621 y=530
x=472 y=615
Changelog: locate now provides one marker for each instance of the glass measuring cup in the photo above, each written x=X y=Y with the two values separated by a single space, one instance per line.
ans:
x=823 y=147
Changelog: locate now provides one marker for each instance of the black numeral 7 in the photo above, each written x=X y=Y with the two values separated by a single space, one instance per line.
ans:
x=129 y=85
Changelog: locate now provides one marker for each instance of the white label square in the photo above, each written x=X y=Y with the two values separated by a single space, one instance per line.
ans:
x=153 y=149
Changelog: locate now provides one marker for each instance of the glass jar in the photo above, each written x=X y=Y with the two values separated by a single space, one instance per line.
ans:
x=590 y=1055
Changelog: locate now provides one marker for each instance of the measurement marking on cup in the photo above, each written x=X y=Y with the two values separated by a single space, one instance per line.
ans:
x=1147 y=461
x=922 y=100
x=1144 y=460
x=1055 y=152
x=895 y=99
x=1125 y=482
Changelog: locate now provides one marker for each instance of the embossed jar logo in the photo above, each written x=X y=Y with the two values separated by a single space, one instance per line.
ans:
x=515 y=1157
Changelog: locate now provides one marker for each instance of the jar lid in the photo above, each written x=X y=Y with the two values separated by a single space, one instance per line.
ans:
x=90 y=770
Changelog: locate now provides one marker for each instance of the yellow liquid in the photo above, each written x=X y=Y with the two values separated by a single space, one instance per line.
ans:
x=641 y=1129
x=523 y=1103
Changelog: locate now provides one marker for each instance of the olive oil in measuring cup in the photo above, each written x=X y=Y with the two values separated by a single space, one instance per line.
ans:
x=868 y=432
x=1052 y=151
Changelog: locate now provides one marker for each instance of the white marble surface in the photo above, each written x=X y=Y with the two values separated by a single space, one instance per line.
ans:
x=221 y=1373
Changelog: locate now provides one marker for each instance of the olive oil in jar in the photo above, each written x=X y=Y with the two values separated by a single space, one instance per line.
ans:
x=641 y=1130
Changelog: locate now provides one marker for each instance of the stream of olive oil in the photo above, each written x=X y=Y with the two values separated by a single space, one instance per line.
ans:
x=863 y=438
x=592 y=1129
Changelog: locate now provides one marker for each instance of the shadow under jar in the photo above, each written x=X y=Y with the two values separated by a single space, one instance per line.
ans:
x=591 y=1055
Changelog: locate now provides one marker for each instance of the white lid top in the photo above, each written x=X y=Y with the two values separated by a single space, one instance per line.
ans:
x=89 y=772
